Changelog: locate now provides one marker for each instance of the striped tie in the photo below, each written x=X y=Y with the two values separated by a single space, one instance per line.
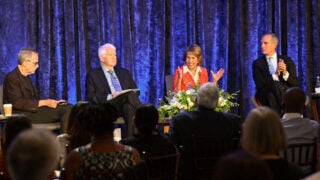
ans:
x=115 y=81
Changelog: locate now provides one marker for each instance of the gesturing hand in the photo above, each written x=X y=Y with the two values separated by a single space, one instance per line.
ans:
x=217 y=76
x=51 y=102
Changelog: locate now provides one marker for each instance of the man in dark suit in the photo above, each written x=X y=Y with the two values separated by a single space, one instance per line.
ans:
x=104 y=84
x=19 y=91
x=273 y=74
x=204 y=121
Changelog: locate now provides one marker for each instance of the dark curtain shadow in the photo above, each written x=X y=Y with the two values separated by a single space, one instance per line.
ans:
x=151 y=36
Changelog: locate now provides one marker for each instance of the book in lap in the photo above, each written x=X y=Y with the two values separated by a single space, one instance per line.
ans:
x=127 y=91
x=122 y=96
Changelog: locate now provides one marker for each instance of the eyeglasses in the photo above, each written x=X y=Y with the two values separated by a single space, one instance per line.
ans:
x=34 y=63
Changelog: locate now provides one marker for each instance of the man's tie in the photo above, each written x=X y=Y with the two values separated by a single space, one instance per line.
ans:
x=115 y=81
x=272 y=69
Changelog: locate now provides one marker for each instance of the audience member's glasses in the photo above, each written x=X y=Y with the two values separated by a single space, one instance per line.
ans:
x=34 y=63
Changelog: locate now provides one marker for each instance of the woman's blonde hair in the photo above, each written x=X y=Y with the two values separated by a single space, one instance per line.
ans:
x=263 y=132
x=196 y=50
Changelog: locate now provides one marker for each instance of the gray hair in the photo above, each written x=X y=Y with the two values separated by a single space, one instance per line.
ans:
x=33 y=155
x=102 y=48
x=24 y=53
x=274 y=37
x=208 y=96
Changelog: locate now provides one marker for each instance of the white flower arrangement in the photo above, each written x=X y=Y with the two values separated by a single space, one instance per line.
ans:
x=185 y=101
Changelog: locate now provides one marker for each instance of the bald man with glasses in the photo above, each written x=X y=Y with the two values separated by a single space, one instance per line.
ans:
x=19 y=91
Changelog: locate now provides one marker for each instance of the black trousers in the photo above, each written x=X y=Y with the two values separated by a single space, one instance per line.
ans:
x=127 y=105
x=274 y=104
x=275 y=97
x=48 y=115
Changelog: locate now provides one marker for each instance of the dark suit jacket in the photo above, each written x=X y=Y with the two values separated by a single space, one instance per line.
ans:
x=97 y=91
x=264 y=82
x=202 y=122
x=97 y=87
x=16 y=91
x=153 y=145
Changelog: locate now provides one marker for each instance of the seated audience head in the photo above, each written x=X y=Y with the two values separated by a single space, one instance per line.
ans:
x=78 y=134
x=33 y=155
x=146 y=119
x=13 y=126
x=294 y=100
x=208 y=96
x=243 y=165
x=99 y=119
x=263 y=132
x=195 y=50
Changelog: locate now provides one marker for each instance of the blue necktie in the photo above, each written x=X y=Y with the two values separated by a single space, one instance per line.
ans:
x=115 y=81
x=272 y=70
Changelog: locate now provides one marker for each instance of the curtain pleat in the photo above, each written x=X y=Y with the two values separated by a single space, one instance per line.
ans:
x=151 y=37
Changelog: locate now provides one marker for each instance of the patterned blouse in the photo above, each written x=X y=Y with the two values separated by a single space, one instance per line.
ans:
x=111 y=165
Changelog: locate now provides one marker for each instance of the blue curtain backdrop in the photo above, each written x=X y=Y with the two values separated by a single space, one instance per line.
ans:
x=151 y=36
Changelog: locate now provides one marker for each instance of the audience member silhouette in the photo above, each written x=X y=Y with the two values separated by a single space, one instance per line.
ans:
x=298 y=129
x=148 y=141
x=263 y=135
x=103 y=158
x=13 y=126
x=76 y=135
x=242 y=165
x=204 y=121
x=33 y=155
